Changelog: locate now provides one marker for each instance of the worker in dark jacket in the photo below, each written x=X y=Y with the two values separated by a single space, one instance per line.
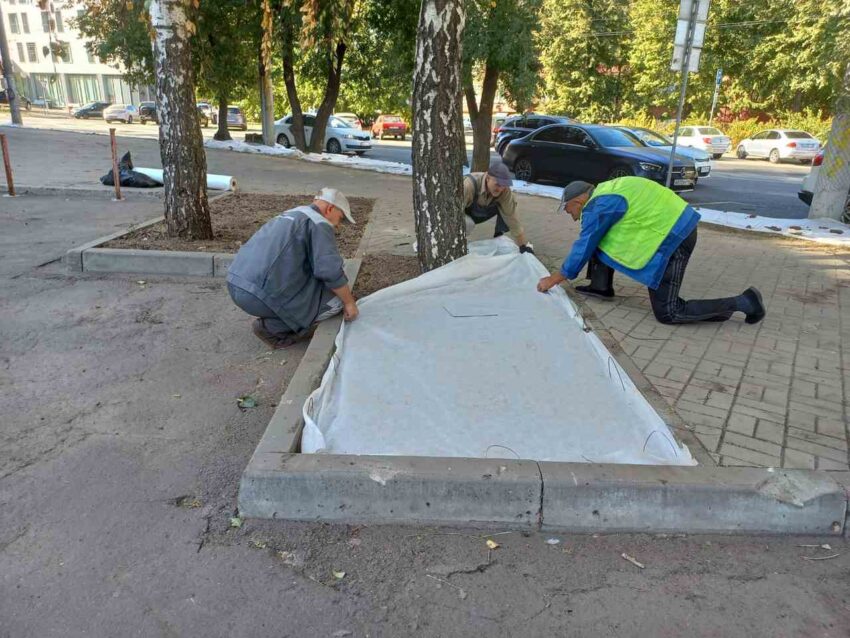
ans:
x=290 y=273
x=648 y=233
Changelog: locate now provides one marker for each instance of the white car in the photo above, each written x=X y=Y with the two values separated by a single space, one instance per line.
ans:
x=351 y=118
x=653 y=139
x=779 y=144
x=706 y=138
x=126 y=113
x=340 y=136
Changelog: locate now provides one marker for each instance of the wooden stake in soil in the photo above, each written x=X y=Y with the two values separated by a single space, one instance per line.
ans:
x=7 y=164
x=115 y=178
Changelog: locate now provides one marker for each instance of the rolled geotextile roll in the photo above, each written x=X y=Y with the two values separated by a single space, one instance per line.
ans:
x=214 y=182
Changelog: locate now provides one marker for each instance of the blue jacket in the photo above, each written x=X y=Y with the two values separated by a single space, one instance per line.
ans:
x=597 y=218
x=288 y=264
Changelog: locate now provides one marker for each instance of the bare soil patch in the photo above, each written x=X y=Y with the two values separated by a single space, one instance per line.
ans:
x=237 y=217
x=382 y=270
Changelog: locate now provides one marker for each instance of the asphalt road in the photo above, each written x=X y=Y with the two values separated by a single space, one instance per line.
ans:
x=745 y=186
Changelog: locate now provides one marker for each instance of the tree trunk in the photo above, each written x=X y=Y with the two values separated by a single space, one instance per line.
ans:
x=297 y=126
x=482 y=129
x=326 y=108
x=437 y=131
x=6 y=62
x=266 y=91
x=833 y=185
x=181 y=145
x=223 y=133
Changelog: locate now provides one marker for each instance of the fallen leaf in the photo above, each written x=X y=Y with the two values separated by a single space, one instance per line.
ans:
x=258 y=544
x=141 y=282
x=196 y=503
x=553 y=541
x=492 y=544
x=339 y=575
x=236 y=521
x=246 y=401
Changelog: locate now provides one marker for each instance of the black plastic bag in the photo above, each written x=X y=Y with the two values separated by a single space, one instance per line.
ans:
x=128 y=176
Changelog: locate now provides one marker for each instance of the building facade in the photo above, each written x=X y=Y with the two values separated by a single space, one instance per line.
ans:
x=50 y=62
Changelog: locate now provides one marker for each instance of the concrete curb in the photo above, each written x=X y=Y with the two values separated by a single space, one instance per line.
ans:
x=90 y=258
x=106 y=192
x=571 y=497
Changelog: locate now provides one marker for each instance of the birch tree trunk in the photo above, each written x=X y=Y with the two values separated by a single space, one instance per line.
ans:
x=437 y=134
x=832 y=190
x=181 y=147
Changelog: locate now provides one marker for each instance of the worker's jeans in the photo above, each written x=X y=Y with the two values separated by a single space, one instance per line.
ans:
x=667 y=305
x=331 y=305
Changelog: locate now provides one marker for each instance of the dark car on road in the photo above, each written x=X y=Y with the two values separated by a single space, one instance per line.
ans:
x=23 y=101
x=593 y=153
x=521 y=125
x=147 y=112
x=91 y=110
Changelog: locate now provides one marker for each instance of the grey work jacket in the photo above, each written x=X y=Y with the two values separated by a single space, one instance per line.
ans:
x=288 y=263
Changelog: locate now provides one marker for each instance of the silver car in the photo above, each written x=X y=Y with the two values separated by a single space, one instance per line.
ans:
x=779 y=144
x=340 y=136
x=236 y=118
x=126 y=113
x=701 y=159
x=706 y=138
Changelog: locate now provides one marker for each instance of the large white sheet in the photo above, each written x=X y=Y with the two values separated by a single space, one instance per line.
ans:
x=469 y=360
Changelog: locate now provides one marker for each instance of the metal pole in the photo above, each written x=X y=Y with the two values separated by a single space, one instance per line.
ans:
x=7 y=164
x=116 y=179
x=6 y=59
x=717 y=81
x=686 y=61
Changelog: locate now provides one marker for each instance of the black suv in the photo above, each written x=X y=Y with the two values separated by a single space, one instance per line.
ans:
x=147 y=112
x=521 y=125
x=23 y=100
x=92 y=109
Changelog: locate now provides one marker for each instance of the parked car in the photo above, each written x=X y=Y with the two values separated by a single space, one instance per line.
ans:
x=707 y=138
x=497 y=121
x=340 y=136
x=147 y=112
x=210 y=112
x=351 y=118
x=387 y=125
x=593 y=153
x=521 y=125
x=121 y=112
x=92 y=109
x=236 y=118
x=46 y=102
x=653 y=139
x=203 y=117
x=779 y=144
x=23 y=100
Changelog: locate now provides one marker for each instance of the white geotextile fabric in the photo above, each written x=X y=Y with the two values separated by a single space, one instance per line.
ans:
x=469 y=360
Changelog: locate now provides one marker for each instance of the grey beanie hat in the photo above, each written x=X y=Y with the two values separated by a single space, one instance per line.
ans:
x=572 y=190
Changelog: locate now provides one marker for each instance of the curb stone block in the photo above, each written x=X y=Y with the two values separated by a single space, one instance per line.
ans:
x=159 y=262
x=221 y=262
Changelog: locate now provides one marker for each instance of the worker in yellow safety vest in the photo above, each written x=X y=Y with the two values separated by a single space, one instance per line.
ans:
x=647 y=232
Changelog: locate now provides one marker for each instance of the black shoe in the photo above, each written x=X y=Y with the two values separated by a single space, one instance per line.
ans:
x=590 y=291
x=753 y=297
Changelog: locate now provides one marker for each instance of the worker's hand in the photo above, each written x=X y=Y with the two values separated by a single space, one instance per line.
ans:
x=546 y=283
x=526 y=248
x=350 y=311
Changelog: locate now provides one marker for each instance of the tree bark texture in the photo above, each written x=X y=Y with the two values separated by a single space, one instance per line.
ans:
x=181 y=147
x=832 y=190
x=437 y=133
x=482 y=126
x=222 y=133
x=297 y=126
x=326 y=108
x=266 y=91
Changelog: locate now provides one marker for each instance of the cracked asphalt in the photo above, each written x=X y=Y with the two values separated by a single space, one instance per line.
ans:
x=121 y=446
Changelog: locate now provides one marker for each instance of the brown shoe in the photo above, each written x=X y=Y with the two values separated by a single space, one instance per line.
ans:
x=278 y=342
x=259 y=328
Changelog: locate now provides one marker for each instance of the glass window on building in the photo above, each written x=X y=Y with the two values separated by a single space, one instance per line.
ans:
x=21 y=56
x=45 y=21
x=13 y=23
x=48 y=86
x=64 y=50
x=32 y=54
x=83 y=89
x=89 y=56
x=58 y=17
x=25 y=22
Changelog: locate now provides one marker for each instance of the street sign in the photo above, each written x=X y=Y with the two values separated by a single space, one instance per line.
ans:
x=718 y=78
x=690 y=34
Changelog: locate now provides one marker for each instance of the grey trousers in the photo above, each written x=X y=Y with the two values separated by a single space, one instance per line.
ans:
x=330 y=305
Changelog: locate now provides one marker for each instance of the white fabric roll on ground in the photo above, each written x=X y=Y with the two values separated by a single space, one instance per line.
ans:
x=214 y=182
x=469 y=360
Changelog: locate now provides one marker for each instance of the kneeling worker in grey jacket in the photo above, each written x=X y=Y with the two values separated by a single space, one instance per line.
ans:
x=289 y=274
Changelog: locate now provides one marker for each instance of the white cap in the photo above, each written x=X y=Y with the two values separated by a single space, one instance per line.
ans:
x=335 y=198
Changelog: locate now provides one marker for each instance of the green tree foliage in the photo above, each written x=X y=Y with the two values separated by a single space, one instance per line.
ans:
x=585 y=49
